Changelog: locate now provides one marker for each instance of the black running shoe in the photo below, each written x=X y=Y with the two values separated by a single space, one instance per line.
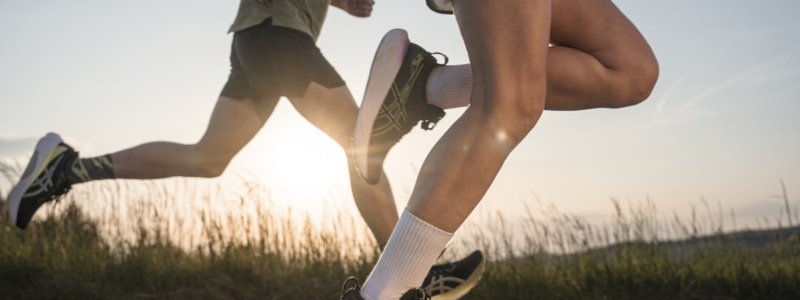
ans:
x=394 y=101
x=440 y=6
x=456 y=279
x=44 y=179
x=354 y=293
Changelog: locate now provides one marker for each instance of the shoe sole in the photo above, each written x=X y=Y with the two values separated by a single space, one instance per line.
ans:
x=464 y=288
x=385 y=65
x=41 y=157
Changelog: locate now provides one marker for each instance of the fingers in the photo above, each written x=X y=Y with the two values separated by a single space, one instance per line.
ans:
x=360 y=8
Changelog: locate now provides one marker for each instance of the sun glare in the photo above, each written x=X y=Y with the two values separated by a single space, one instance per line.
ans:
x=299 y=160
x=297 y=163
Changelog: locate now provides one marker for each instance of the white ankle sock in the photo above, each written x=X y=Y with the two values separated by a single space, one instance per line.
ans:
x=411 y=251
x=450 y=86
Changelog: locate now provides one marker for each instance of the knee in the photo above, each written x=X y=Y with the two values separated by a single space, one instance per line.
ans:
x=637 y=84
x=210 y=169
x=514 y=110
x=207 y=164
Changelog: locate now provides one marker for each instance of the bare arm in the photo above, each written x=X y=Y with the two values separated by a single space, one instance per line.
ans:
x=357 y=8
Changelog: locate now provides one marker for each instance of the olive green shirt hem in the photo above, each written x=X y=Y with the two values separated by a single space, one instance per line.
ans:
x=302 y=15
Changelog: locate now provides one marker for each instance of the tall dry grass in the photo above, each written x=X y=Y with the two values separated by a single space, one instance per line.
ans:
x=168 y=240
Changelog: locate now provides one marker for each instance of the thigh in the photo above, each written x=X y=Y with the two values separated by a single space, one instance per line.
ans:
x=233 y=123
x=251 y=77
x=599 y=28
x=332 y=110
x=507 y=44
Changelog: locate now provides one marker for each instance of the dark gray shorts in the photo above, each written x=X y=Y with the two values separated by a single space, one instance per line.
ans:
x=268 y=62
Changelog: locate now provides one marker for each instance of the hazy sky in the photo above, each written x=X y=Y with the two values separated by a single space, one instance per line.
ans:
x=721 y=124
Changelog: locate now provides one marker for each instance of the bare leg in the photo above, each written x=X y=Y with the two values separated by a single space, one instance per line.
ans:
x=465 y=161
x=462 y=165
x=510 y=84
x=334 y=112
x=599 y=58
x=233 y=124
x=586 y=67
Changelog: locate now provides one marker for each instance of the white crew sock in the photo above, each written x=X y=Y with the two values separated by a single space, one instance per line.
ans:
x=449 y=86
x=411 y=251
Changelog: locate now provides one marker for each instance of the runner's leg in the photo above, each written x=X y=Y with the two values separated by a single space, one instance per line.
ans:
x=462 y=165
x=588 y=66
x=232 y=125
x=333 y=110
x=508 y=96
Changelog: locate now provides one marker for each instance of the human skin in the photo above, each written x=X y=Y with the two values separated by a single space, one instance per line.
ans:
x=234 y=122
x=598 y=59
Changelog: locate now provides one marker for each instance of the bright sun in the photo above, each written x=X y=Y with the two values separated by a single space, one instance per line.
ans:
x=295 y=159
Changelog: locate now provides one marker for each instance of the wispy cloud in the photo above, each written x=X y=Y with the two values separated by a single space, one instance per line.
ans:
x=774 y=79
x=762 y=72
x=662 y=101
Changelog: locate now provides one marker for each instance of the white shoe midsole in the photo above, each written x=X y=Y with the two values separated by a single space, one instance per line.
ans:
x=387 y=62
x=39 y=160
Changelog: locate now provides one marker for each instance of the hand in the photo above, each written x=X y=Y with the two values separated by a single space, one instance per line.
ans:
x=359 y=8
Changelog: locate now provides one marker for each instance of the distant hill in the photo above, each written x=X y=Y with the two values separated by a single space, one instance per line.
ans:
x=738 y=240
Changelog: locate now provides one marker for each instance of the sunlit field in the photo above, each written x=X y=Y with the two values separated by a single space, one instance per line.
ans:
x=191 y=239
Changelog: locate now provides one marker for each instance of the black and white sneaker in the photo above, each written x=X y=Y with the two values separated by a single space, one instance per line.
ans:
x=394 y=101
x=42 y=181
x=440 y=6
x=456 y=279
